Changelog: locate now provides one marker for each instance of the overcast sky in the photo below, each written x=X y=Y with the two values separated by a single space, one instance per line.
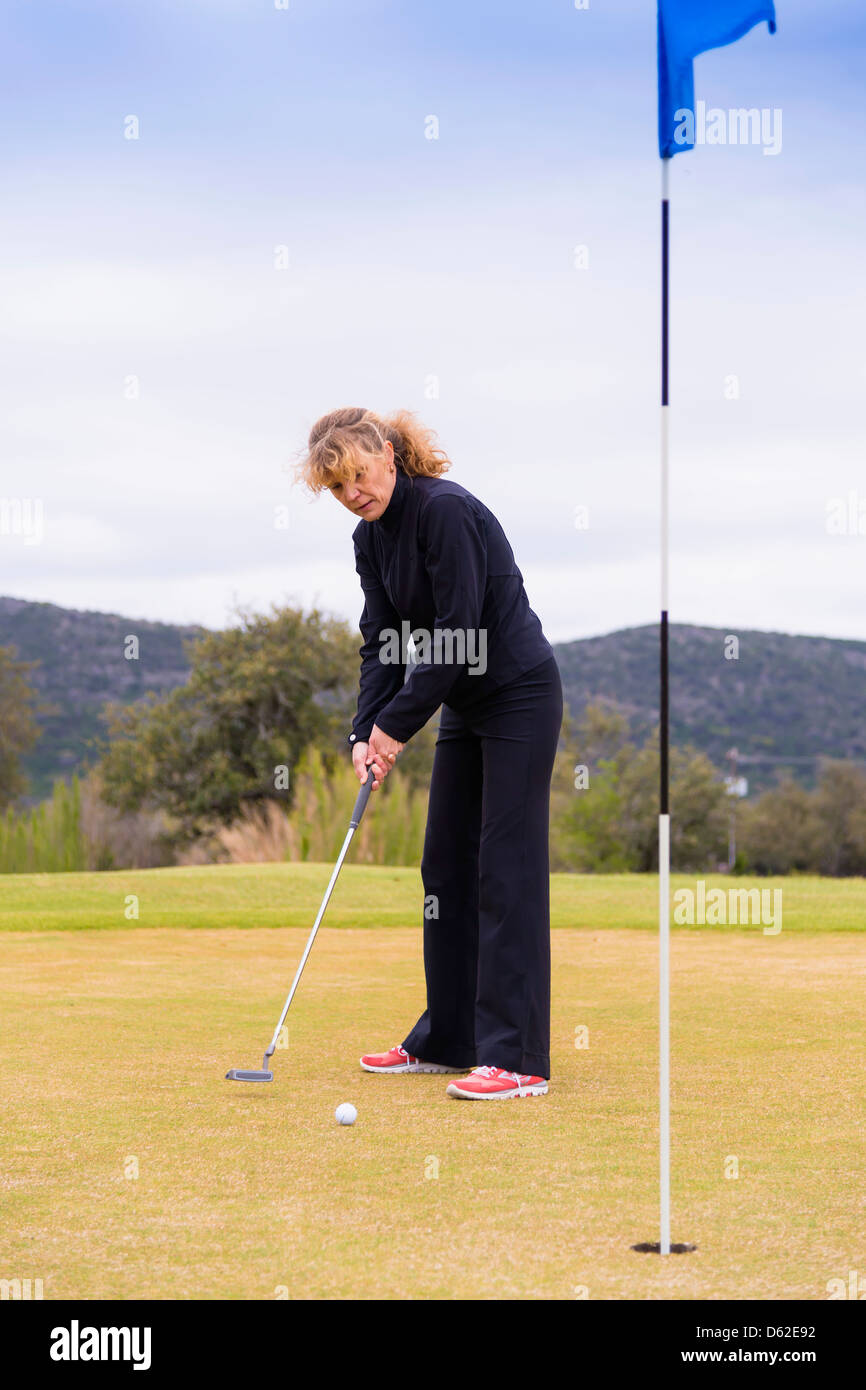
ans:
x=160 y=366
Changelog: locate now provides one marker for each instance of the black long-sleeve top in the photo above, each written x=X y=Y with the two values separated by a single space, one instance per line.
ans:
x=438 y=560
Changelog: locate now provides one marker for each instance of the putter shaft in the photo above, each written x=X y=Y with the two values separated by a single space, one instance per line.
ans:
x=266 y=1074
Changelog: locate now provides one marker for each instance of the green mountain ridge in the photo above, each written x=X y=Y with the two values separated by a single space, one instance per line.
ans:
x=784 y=702
x=82 y=666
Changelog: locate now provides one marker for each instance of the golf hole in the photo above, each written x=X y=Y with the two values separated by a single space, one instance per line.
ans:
x=653 y=1247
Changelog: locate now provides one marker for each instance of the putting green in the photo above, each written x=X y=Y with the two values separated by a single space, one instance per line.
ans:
x=133 y=1170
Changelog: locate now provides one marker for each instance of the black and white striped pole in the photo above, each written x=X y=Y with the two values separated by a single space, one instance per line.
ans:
x=664 y=775
x=664 y=1246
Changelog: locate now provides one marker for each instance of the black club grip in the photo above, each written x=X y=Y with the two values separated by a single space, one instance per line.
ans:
x=363 y=798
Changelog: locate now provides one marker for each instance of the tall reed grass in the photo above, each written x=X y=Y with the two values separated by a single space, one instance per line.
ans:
x=47 y=838
x=392 y=831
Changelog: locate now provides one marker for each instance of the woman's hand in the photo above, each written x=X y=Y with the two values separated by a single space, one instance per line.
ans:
x=384 y=748
x=381 y=752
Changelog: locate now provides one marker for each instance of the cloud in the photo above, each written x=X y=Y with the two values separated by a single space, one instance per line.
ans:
x=531 y=382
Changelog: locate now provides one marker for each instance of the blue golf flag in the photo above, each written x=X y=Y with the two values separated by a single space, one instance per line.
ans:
x=685 y=29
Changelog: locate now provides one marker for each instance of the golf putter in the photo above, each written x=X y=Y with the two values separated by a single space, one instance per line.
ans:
x=236 y=1074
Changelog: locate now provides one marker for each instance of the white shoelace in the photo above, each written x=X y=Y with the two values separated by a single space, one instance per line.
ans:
x=489 y=1072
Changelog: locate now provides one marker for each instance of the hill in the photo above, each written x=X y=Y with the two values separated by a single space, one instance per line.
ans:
x=784 y=702
x=81 y=666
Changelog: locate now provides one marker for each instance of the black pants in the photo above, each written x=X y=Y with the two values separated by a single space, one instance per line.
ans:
x=486 y=873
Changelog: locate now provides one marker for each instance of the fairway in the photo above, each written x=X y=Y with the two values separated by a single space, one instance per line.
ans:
x=288 y=895
x=134 y=1170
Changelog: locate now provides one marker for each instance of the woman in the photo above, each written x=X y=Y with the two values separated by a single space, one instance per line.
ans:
x=433 y=560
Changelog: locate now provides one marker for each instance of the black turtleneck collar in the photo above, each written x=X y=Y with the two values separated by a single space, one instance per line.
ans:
x=390 y=518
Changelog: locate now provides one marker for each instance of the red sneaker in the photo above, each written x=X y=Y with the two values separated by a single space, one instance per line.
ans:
x=492 y=1083
x=399 y=1060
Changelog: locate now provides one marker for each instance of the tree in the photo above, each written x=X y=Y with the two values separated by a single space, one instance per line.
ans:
x=18 y=728
x=777 y=833
x=790 y=829
x=611 y=824
x=258 y=695
x=840 y=819
x=698 y=804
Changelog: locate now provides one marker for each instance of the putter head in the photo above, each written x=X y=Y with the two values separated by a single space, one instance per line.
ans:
x=237 y=1075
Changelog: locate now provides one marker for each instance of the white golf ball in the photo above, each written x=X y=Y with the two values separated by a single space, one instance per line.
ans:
x=345 y=1114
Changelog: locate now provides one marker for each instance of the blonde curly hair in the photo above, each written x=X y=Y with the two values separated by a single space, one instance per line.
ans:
x=338 y=439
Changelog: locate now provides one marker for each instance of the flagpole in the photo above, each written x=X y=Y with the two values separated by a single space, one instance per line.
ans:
x=664 y=736
x=682 y=33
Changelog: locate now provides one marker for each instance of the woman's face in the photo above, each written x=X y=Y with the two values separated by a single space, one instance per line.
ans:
x=369 y=492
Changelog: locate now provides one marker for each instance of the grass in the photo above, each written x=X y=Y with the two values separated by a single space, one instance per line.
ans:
x=116 y=1042
x=288 y=895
